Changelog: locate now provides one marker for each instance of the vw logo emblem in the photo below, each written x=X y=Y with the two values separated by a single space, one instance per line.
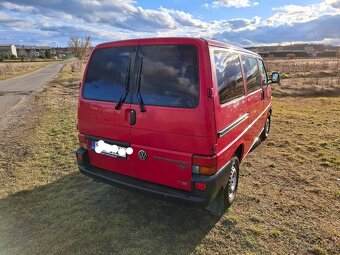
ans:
x=142 y=155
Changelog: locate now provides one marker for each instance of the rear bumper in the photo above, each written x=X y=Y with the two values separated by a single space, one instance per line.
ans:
x=199 y=198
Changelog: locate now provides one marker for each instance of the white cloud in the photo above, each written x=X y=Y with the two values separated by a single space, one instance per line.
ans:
x=17 y=7
x=331 y=3
x=15 y=23
x=290 y=14
x=231 y=3
x=112 y=20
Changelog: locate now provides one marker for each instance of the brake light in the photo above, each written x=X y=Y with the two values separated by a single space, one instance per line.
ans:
x=204 y=165
x=200 y=186
x=82 y=141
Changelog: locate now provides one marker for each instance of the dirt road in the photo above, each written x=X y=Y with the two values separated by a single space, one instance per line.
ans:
x=15 y=93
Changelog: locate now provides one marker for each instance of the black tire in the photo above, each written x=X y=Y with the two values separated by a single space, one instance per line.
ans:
x=266 y=129
x=231 y=189
x=227 y=194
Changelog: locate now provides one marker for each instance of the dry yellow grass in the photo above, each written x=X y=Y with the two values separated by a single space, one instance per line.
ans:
x=307 y=77
x=303 y=65
x=288 y=199
x=9 y=70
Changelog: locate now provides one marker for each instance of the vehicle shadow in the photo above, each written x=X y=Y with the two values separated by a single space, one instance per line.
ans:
x=76 y=215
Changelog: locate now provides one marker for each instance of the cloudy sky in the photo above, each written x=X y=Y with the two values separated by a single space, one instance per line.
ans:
x=244 y=22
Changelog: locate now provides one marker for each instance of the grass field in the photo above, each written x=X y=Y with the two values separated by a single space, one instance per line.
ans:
x=307 y=77
x=9 y=70
x=288 y=200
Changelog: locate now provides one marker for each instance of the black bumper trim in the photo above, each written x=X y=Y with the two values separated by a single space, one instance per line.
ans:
x=195 y=197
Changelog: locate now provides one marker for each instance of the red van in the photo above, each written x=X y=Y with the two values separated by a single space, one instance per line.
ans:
x=173 y=117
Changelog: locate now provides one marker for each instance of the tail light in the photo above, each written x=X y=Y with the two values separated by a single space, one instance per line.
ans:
x=200 y=186
x=82 y=141
x=204 y=165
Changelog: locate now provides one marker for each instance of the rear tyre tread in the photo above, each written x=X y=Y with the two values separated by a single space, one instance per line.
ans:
x=223 y=200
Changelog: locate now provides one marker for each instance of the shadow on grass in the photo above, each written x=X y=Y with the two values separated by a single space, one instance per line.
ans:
x=76 y=215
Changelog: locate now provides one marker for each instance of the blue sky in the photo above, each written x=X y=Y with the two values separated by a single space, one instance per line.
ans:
x=243 y=22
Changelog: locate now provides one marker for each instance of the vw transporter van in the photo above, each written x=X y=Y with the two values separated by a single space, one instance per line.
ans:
x=172 y=117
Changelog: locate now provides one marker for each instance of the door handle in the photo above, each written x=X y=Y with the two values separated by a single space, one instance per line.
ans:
x=132 y=117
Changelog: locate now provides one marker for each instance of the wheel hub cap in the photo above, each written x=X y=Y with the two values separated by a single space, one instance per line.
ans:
x=232 y=181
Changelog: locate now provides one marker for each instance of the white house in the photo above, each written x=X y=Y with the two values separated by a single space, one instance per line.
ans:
x=8 y=49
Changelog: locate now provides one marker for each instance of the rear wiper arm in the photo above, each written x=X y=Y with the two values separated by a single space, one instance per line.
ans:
x=139 y=96
x=126 y=90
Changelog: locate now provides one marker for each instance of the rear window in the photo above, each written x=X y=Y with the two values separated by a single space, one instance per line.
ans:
x=106 y=74
x=169 y=76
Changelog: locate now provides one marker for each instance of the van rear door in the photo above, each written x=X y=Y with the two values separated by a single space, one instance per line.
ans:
x=105 y=83
x=171 y=123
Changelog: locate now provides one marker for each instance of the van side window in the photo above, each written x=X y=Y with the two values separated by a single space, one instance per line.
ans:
x=263 y=72
x=252 y=73
x=106 y=74
x=229 y=76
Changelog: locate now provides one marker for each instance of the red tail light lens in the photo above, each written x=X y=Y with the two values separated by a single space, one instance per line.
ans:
x=82 y=141
x=200 y=186
x=204 y=165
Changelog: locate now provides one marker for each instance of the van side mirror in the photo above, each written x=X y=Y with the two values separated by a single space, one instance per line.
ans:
x=275 y=77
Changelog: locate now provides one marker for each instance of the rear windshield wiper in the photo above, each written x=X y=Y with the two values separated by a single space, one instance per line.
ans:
x=139 y=96
x=126 y=90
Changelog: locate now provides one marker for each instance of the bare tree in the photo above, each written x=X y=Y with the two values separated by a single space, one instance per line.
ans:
x=80 y=47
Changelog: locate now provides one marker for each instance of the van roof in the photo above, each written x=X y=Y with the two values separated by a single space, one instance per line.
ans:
x=229 y=45
x=187 y=39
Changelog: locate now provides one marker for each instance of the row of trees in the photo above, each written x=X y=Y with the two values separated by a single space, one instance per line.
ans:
x=48 y=54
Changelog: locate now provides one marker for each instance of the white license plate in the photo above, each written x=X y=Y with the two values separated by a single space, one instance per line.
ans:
x=110 y=150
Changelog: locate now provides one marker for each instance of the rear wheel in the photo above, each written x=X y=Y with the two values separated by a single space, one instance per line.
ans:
x=266 y=129
x=227 y=195
x=230 y=190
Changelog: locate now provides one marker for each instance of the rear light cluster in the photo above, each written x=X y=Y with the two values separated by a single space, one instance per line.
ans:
x=204 y=165
x=82 y=141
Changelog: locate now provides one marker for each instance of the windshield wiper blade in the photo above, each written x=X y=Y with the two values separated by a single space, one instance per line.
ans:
x=139 y=96
x=127 y=86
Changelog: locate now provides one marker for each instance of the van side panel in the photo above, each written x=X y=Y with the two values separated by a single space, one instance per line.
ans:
x=240 y=121
x=231 y=120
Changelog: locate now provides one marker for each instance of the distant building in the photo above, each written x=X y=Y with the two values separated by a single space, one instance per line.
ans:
x=8 y=49
x=286 y=53
x=63 y=52
x=31 y=51
x=328 y=53
x=311 y=52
